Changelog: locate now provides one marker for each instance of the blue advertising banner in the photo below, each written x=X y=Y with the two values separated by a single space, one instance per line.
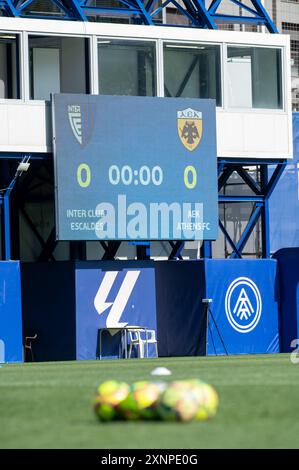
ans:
x=112 y=296
x=284 y=201
x=244 y=311
x=135 y=168
x=77 y=299
x=10 y=312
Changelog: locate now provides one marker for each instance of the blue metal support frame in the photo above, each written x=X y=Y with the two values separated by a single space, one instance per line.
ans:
x=49 y=247
x=229 y=239
x=248 y=230
x=20 y=156
x=265 y=215
x=8 y=8
x=206 y=249
x=110 y=249
x=35 y=231
x=198 y=14
x=262 y=192
x=177 y=248
x=7 y=241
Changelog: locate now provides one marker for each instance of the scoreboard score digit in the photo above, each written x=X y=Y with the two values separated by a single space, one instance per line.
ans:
x=134 y=168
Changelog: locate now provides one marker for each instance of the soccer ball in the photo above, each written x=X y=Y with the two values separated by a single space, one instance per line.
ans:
x=207 y=398
x=108 y=397
x=210 y=403
x=141 y=402
x=178 y=402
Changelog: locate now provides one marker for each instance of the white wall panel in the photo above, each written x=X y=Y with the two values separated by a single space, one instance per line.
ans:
x=4 y=127
x=253 y=135
x=26 y=127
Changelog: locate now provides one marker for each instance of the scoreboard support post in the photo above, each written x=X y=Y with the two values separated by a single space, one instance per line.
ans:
x=206 y=249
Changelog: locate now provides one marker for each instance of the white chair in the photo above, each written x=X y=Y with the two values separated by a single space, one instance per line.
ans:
x=135 y=339
x=151 y=339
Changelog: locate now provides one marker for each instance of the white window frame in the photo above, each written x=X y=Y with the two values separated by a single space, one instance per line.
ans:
x=18 y=34
x=232 y=109
x=27 y=63
x=155 y=43
x=202 y=43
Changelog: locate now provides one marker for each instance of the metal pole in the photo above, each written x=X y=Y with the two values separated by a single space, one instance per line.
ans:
x=6 y=221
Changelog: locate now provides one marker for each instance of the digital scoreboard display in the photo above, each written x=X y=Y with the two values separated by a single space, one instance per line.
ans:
x=134 y=168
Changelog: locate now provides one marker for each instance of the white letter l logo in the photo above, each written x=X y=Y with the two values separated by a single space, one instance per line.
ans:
x=121 y=299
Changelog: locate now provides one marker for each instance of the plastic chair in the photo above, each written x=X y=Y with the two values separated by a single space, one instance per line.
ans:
x=28 y=346
x=135 y=339
x=151 y=339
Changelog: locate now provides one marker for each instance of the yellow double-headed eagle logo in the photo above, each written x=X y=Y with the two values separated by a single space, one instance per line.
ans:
x=190 y=128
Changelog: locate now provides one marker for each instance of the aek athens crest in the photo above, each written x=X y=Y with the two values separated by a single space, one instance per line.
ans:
x=81 y=119
x=189 y=123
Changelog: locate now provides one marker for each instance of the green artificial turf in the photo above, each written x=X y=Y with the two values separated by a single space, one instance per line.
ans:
x=48 y=405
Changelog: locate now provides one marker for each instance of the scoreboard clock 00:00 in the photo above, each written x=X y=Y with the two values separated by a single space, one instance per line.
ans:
x=134 y=168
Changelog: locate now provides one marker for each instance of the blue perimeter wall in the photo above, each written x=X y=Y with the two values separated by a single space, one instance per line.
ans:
x=59 y=304
x=10 y=312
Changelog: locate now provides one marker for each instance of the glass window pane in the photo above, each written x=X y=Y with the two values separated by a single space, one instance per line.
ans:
x=57 y=65
x=127 y=68
x=192 y=71
x=254 y=77
x=9 y=66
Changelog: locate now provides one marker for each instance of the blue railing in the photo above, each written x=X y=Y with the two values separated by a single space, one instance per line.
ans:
x=148 y=12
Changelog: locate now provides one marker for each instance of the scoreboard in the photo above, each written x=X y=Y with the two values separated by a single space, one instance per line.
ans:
x=134 y=168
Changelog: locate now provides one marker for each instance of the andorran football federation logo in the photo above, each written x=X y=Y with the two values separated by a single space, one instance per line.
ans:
x=243 y=305
x=81 y=119
x=190 y=128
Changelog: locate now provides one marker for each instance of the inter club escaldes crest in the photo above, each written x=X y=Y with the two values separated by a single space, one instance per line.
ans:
x=81 y=119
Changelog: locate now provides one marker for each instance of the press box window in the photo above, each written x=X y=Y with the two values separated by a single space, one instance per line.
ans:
x=57 y=65
x=192 y=71
x=9 y=66
x=127 y=68
x=254 y=77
